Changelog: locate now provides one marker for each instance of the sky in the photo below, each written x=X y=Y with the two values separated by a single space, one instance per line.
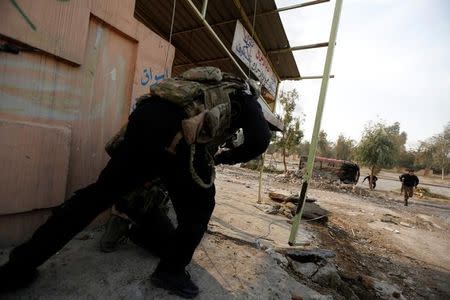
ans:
x=391 y=64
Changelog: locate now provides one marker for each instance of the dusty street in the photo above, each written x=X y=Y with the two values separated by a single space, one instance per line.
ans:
x=378 y=248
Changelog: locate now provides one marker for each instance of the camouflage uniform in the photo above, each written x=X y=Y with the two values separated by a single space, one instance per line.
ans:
x=142 y=156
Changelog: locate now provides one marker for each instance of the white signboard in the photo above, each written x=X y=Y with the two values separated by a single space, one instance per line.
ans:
x=248 y=51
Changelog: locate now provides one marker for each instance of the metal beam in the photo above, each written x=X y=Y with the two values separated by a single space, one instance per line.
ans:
x=315 y=77
x=204 y=7
x=202 y=62
x=315 y=135
x=203 y=27
x=297 y=48
x=306 y=77
x=257 y=15
x=216 y=37
x=292 y=7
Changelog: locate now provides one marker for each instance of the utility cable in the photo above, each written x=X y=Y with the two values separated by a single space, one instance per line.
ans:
x=170 y=33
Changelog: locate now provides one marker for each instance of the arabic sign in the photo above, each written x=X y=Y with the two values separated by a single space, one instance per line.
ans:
x=248 y=51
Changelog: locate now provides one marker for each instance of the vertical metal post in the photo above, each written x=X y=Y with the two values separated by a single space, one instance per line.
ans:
x=205 y=5
x=261 y=171
x=320 y=105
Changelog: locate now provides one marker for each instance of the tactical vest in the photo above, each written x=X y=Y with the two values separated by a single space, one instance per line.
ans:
x=203 y=93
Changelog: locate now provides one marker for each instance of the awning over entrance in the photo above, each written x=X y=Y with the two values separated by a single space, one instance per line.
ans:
x=196 y=46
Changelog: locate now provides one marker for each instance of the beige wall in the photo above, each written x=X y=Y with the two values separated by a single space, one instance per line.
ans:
x=61 y=102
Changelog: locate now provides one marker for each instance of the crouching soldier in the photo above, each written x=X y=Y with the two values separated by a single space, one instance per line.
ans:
x=172 y=134
x=144 y=212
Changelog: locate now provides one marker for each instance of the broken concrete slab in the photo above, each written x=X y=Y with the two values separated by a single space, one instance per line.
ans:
x=388 y=218
x=383 y=289
x=305 y=269
x=311 y=255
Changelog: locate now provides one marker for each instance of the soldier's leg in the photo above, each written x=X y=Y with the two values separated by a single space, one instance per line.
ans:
x=406 y=194
x=66 y=221
x=155 y=232
x=193 y=205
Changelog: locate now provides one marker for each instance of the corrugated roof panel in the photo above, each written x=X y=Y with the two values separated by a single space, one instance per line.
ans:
x=197 y=47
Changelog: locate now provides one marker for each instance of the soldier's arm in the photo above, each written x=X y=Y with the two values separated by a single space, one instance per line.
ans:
x=256 y=136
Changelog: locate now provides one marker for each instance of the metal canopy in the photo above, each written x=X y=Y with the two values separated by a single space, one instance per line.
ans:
x=196 y=47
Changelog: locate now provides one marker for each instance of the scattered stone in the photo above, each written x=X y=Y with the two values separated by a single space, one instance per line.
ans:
x=291 y=206
x=305 y=269
x=278 y=257
x=311 y=210
x=386 y=291
x=271 y=211
x=387 y=218
x=268 y=209
x=408 y=281
x=261 y=245
x=406 y=224
x=328 y=276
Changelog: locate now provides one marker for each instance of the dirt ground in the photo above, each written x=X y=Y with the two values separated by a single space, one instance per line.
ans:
x=383 y=250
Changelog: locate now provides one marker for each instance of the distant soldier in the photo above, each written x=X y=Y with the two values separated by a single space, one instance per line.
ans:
x=409 y=182
x=373 y=180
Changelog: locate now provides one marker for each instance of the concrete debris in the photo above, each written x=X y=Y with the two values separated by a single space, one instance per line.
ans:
x=313 y=255
x=261 y=245
x=382 y=289
x=427 y=220
x=278 y=257
x=406 y=224
x=287 y=206
x=305 y=269
x=328 y=276
x=388 y=218
x=282 y=198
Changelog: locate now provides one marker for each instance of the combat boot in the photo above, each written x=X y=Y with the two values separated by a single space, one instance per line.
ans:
x=178 y=282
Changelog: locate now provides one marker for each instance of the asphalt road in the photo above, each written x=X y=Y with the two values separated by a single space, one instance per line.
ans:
x=387 y=184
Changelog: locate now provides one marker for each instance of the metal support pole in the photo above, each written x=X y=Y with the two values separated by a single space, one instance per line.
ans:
x=204 y=7
x=216 y=37
x=320 y=105
x=286 y=8
x=261 y=171
x=314 y=77
x=296 y=48
x=306 y=77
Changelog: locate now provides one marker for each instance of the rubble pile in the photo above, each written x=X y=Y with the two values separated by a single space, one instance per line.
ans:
x=286 y=205
x=316 y=267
